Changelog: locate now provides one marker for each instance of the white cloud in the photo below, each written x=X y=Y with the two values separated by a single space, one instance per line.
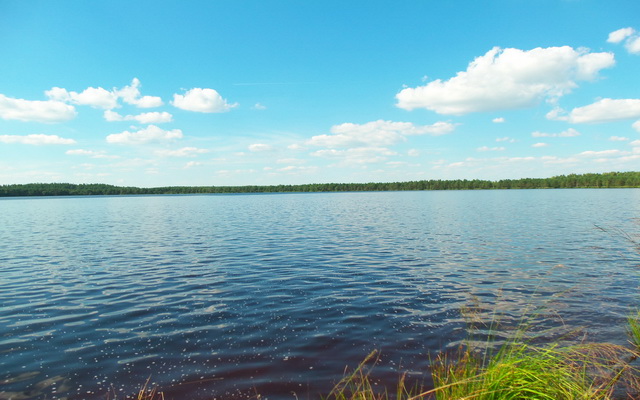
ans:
x=144 y=118
x=498 y=120
x=604 y=110
x=202 y=100
x=191 y=164
x=413 y=153
x=94 y=97
x=635 y=143
x=35 y=110
x=183 y=152
x=568 y=133
x=632 y=43
x=80 y=152
x=486 y=148
x=603 y=153
x=506 y=79
x=105 y=99
x=90 y=153
x=539 y=145
x=376 y=134
x=295 y=161
x=294 y=169
x=505 y=139
x=620 y=35
x=257 y=147
x=618 y=139
x=131 y=95
x=36 y=139
x=636 y=126
x=295 y=147
x=360 y=155
x=150 y=134
x=259 y=106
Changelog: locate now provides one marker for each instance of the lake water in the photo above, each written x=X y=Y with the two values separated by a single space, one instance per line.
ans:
x=226 y=296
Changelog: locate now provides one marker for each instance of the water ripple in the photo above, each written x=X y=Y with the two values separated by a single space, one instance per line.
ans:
x=223 y=296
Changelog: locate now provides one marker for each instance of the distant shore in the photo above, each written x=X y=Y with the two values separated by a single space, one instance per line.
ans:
x=591 y=180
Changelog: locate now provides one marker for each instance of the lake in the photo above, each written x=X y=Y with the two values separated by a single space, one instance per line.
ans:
x=226 y=296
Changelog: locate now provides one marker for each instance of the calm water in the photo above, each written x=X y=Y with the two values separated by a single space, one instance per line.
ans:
x=225 y=296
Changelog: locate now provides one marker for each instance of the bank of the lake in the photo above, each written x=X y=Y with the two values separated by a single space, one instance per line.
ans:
x=571 y=181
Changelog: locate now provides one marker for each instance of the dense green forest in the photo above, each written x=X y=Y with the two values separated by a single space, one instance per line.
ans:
x=605 y=180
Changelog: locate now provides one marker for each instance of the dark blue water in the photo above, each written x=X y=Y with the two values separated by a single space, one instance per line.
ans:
x=227 y=296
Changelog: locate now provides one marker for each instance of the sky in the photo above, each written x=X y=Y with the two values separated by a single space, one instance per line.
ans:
x=247 y=92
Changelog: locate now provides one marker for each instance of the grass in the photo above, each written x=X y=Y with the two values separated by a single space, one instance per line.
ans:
x=515 y=369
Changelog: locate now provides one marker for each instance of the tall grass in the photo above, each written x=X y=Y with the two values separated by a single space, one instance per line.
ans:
x=515 y=370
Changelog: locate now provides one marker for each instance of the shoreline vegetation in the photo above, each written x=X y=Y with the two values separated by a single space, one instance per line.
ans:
x=591 y=180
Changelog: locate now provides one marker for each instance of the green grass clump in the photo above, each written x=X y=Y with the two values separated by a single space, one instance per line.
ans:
x=515 y=370
x=520 y=371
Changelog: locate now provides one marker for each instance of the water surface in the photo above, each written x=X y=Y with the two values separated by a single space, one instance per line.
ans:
x=226 y=296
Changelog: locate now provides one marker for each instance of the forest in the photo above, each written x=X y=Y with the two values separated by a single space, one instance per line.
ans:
x=602 y=180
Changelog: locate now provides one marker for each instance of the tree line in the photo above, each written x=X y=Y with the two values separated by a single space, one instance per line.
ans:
x=603 y=180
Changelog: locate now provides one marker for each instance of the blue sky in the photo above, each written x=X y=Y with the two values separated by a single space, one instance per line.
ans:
x=158 y=93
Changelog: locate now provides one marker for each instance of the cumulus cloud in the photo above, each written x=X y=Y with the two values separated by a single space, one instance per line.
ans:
x=202 y=100
x=376 y=134
x=633 y=45
x=630 y=36
x=568 y=133
x=505 y=139
x=144 y=118
x=259 y=106
x=94 y=97
x=183 y=152
x=131 y=95
x=35 y=139
x=105 y=99
x=618 y=139
x=498 y=120
x=257 y=147
x=604 y=110
x=620 y=35
x=149 y=134
x=539 y=145
x=35 y=110
x=636 y=126
x=507 y=79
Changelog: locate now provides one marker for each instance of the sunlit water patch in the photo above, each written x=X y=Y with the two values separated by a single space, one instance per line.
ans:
x=227 y=296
